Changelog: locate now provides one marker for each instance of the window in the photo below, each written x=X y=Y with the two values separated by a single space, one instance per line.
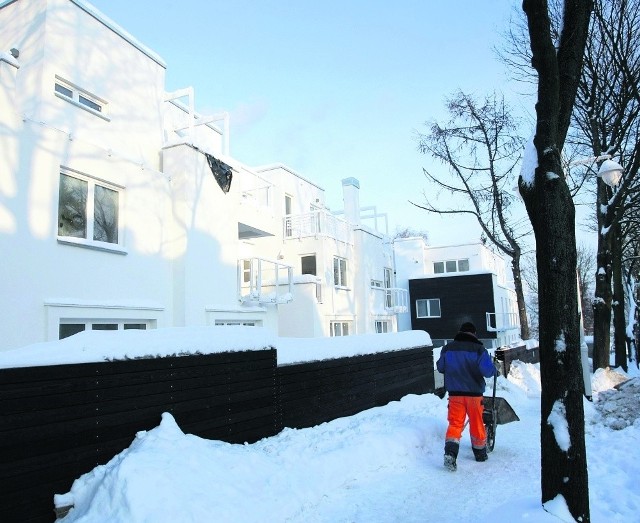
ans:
x=339 y=328
x=64 y=91
x=88 y=210
x=339 y=272
x=387 y=285
x=441 y=267
x=377 y=284
x=381 y=326
x=288 y=226
x=80 y=97
x=429 y=308
x=287 y=204
x=308 y=264
x=70 y=327
x=246 y=271
x=246 y=323
x=104 y=326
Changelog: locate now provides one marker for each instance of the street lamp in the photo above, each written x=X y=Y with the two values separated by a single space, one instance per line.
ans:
x=610 y=172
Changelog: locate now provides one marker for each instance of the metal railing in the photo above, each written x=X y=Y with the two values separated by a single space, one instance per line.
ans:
x=502 y=321
x=316 y=224
x=255 y=189
x=396 y=299
x=264 y=281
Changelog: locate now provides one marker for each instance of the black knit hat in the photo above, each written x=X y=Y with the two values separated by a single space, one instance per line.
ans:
x=468 y=327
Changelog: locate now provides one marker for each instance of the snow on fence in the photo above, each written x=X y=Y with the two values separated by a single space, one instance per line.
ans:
x=61 y=421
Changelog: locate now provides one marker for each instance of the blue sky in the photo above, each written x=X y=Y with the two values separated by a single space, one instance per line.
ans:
x=331 y=89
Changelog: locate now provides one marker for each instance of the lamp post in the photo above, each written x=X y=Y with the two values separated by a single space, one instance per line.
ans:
x=610 y=172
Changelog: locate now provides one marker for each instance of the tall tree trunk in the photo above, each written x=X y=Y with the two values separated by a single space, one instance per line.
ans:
x=632 y=314
x=525 y=334
x=619 y=320
x=564 y=470
x=603 y=294
x=552 y=214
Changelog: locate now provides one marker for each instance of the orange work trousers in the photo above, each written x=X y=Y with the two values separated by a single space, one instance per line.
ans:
x=459 y=408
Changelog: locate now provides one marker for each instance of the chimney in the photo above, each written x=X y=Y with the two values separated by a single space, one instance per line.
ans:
x=351 y=198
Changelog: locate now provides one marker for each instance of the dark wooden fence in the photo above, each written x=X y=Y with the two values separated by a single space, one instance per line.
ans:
x=312 y=393
x=508 y=354
x=58 y=422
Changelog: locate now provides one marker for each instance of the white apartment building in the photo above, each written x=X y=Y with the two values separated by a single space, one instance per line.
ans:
x=121 y=207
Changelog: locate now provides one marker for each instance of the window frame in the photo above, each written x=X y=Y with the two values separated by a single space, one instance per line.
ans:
x=388 y=285
x=384 y=326
x=337 y=328
x=237 y=323
x=89 y=211
x=92 y=323
x=340 y=271
x=304 y=257
x=445 y=264
x=288 y=204
x=428 y=308
x=79 y=97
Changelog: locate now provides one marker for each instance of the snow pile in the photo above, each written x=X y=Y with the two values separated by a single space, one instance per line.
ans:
x=381 y=465
x=619 y=407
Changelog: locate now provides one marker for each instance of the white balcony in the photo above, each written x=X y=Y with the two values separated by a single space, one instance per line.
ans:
x=317 y=224
x=502 y=321
x=264 y=281
x=396 y=300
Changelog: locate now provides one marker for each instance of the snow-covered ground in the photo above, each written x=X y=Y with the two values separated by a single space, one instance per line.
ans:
x=382 y=465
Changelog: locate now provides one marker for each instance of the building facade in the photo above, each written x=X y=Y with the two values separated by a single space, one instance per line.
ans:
x=121 y=207
x=454 y=284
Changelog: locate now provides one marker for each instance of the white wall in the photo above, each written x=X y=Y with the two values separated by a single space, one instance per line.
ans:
x=45 y=279
x=175 y=262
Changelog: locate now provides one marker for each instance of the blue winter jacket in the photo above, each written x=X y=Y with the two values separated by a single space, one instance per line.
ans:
x=465 y=363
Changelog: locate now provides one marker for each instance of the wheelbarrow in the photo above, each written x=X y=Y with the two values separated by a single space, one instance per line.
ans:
x=497 y=411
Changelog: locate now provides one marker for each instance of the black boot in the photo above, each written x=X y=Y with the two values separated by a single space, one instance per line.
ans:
x=450 y=454
x=481 y=454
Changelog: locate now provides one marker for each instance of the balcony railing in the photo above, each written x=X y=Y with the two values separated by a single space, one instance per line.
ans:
x=255 y=190
x=264 y=281
x=396 y=299
x=502 y=321
x=316 y=224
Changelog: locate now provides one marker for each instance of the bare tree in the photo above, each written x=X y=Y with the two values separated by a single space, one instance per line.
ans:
x=586 y=261
x=550 y=207
x=409 y=232
x=626 y=260
x=607 y=121
x=631 y=268
x=481 y=148
x=530 y=280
